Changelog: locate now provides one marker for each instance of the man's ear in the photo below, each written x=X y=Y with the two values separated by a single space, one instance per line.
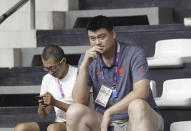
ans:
x=64 y=60
x=114 y=34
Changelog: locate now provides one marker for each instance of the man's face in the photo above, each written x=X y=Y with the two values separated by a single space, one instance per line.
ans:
x=102 y=38
x=53 y=67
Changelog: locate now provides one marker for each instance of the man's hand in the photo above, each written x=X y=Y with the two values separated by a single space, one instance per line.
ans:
x=45 y=101
x=41 y=103
x=48 y=99
x=91 y=55
x=106 y=121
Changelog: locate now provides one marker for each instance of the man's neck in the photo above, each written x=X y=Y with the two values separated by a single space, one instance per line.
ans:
x=66 y=67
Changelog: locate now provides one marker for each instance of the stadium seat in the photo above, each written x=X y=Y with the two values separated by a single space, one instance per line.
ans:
x=180 y=126
x=153 y=88
x=176 y=94
x=187 y=21
x=170 y=53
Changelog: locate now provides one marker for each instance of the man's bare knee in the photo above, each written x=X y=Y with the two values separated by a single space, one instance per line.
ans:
x=28 y=126
x=137 y=107
x=56 y=127
x=75 y=110
x=51 y=127
x=76 y=116
x=20 y=127
x=75 y=113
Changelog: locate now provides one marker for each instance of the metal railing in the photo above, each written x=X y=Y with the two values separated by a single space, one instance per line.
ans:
x=18 y=6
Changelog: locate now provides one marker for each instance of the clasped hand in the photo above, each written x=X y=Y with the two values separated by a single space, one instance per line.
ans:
x=91 y=55
x=46 y=100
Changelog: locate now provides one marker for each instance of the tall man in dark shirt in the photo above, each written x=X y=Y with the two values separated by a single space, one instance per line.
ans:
x=118 y=74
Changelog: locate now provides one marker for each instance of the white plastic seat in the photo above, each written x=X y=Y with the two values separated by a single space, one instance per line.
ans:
x=187 y=21
x=153 y=88
x=170 y=53
x=176 y=94
x=180 y=126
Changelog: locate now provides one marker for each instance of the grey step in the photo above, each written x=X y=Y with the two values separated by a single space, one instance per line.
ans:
x=181 y=8
x=6 y=129
x=144 y=35
x=21 y=76
x=11 y=116
x=18 y=100
x=155 y=15
x=25 y=89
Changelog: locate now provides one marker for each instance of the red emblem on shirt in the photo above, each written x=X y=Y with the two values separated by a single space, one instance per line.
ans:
x=121 y=70
x=142 y=70
x=98 y=73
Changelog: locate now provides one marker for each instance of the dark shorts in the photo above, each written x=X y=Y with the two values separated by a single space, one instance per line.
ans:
x=44 y=125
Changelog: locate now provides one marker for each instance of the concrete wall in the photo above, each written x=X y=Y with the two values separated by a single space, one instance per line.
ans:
x=10 y=57
x=21 y=19
x=16 y=31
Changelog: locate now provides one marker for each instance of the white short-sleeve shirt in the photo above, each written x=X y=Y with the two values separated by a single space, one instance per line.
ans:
x=50 y=84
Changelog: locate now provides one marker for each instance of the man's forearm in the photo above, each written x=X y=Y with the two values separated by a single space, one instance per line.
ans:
x=140 y=91
x=61 y=105
x=81 y=90
x=123 y=104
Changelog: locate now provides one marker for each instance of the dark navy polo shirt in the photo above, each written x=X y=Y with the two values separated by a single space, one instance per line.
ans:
x=132 y=68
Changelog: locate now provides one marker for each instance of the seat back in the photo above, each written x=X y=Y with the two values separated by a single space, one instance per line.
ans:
x=180 y=126
x=177 y=89
x=173 y=47
x=153 y=88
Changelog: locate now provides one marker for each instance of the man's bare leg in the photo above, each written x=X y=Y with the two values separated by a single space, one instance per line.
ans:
x=143 y=118
x=28 y=126
x=82 y=118
x=61 y=126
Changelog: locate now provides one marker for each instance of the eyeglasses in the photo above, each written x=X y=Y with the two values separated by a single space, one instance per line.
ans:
x=53 y=68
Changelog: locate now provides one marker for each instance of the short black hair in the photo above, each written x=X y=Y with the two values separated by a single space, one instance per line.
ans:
x=99 y=22
x=53 y=51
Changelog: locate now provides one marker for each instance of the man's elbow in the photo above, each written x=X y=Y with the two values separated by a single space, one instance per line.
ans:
x=145 y=95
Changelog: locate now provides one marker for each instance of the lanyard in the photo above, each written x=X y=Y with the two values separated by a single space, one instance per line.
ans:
x=60 y=88
x=116 y=66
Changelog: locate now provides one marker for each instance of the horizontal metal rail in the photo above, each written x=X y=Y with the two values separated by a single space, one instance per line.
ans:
x=12 y=10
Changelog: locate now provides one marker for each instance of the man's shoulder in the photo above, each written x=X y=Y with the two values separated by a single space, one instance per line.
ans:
x=47 y=77
x=130 y=47
x=73 y=68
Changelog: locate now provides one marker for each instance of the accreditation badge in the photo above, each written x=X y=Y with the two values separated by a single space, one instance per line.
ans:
x=103 y=96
